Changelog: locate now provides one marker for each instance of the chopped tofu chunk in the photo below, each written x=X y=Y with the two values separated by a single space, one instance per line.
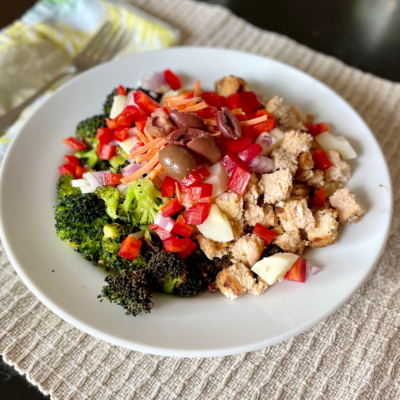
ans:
x=236 y=280
x=283 y=114
x=325 y=229
x=290 y=242
x=305 y=166
x=276 y=186
x=301 y=191
x=229 y=85
x=331 y=187
x=340 y=170
x=318 y=179
x=284 y=160
x=211 y=249
x=294 y=214
x=265 y=216
x=247 y=249
x=231 y=204
x=347 y=205
x=296 y=142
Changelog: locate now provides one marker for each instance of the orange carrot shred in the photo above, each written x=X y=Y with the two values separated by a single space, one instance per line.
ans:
x=159 y=169
x=140 y=172
x=212 y=122
x=142 y=137
x=197 y=89
x=254 y=121
x=147 y=156
x=174 y=103
x=178 y=192
x=197 y=107
x=157 y=182
x=143 y=149
x=148 y=135
x=237 y=111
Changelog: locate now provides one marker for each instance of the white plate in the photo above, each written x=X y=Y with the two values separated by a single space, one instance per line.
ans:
x=210 y=324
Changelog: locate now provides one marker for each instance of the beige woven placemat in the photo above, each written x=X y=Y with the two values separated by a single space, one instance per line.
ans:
x=353 y=354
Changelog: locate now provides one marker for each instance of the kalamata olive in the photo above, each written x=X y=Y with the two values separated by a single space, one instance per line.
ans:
x=176 y=161
x=228 y=124
x=187 y=120
x=206 y=147
x=158 y=124
x=184 y=136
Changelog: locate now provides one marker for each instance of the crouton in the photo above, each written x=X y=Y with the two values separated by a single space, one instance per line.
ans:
x=236 y=280
x=210 y=248
x=294 y=214
x=253 y=190
x=347 y=205
x=229 y=85
x=237 y=228
x=283 y=114
x=265 y=216
x=296 y=142
x=231 y=204
x=284 y=160
x=317 y=180
x=324 y=231
x=301 y=191
x=331 y=187
x=305 y=165
x=247 y=249
x=340 y=170
x=290 y=242
x=278 y=230
x=276 y=186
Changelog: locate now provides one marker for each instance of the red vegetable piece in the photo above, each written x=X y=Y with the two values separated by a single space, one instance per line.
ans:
x=200 y=190
x=164 y=234
x=74 y=143
x=203 y=172
x=190 y=179
x=239 y=180
x=192 y=247
x=111 y=123
x=107 y=152
x=121 y=134
x=105 y=135
x=265 y=126
x=197 y=213
x=112 y=179
x=79 y=171
x=264 y=233
x=230 y=162
x=140 y=125
x=317 y=129
x=172 y=79
x=130 y=248
x=298 y=271
x=168 y=187
x=172 y=207
x=146 y=103
x=249 y=102
x=233 y=101
x=121 y=91
x=213 y=99
x=319 y=198
x=236 y=145
x=207 y=200
x=181 y=229
x=72 y=160
x=136 y=146
x=249 y=152
x=175 y=244
x=247 y=132
x=321 y=160
x=210 y=112
x=66 y=169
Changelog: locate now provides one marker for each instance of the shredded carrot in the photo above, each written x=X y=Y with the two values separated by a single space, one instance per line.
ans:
x=174 y=103
x=215 y=134
x=197 y=107
x=142 y=137
x=157 y=182
x=140 y=172
x=159 y=169
x=212 y=122
x=178 y=97
x=237 y=111
x=254 y=121
x=150 y=138
x=178 y=192
x=143 y=149
x=147 y=156
x=197 y=89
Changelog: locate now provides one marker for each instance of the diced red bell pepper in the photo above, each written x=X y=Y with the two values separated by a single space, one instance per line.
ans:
x=168 y=187
x=112 y=179
x=121 y=134
x=140 y=125
x=72 y=160
x=121 y=91
x=191 y=179
x=130 y=248
x=136 y=146
x=107 y=152
x=197 y=213
x=264 y=233
x=200 y=190
x=164 y=234
x=249 y=102
x=105 y=135
x=321 y=160
x=319 y=198
x=298 y=271
x=317 y=129
x=79 y=171
x=127 y=116
x=210 y=112
x=207 y=200
x=181 y=229
x=236 y=145
x=111 y=123
x=146 y=103
x=239 y=180
x=172 y=79
x=265 y=126
x=230 y=162
x=74 y=143
x=175 y=245
x=192 y=247
x=233 y=101
x=66 y=169
x=213 y=99
x=249 y=152
x=171 y=207
x=247 y=132
x=203 y=172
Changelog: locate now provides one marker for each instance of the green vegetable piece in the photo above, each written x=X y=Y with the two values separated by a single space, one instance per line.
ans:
x=113 y=230
x=118 y=162
x=111 y=197
x=87 y=129
x=169 y=284
x=89 y=157
x=64 y=186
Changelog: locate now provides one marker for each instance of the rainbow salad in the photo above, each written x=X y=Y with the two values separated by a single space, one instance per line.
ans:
x=184 y=190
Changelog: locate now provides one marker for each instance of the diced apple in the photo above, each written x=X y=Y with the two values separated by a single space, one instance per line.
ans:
x=128 y=144
x=117 y=106
x=274 y=268
x=278 y=135
x=218 y=178
x=217 y=226
x=334 y=142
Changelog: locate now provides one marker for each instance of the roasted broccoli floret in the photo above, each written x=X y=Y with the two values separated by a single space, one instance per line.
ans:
x=64 y=186
x=87 y=129
x=111 y=197
x=89 y=157
x=129 y=290
x=118 y=162
x=109 y=101
x=191 y=287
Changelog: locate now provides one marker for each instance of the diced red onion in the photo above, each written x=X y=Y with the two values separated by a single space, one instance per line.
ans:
x=95 y=179
x=165 y=223
x=132 y=132
x=311 y=269
x=153 y=81
x=130 y=101
x=138 y=235
x=88 y=189
x=265 y=140
x=130 y=169
x=261 y=164
x=113 y=143
x=80 y=183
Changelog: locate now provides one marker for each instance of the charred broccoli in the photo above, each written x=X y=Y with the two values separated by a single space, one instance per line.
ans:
x=87 y=129
x=64 y=186
x=129 y=290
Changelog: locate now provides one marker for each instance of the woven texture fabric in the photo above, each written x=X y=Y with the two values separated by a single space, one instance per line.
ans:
x=354 y=354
